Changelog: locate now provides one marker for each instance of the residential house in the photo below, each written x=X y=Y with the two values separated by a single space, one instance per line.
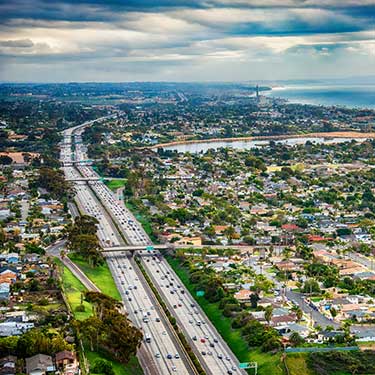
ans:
x=39 y=364
x=8 y=365
x=67 y=362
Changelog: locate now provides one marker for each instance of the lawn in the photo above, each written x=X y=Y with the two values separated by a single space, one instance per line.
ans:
x=267 y=363
x=100 y=276
x=132 y=368
x=115 y=184
x=73 y=289
x=297 y=365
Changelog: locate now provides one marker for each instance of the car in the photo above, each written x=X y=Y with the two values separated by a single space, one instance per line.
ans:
x=212 y=345
x=229 y=372
x=206 y=337
x=227 y=358
x=220 y=356
x=135 y=312
x=216 y=340
x=203 y=352
x=129 y=299
x=177 y=356
x=203 y=340
x=169 y=356
x=175 y=306
x=194 y=338
x=157 y=320
x=190 y=321
x=209 y=353
x=192 y=305
x=174 y=368
x=234 y=368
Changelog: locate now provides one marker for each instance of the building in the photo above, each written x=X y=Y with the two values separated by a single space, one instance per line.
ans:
x=39 y=364
x=8 y=365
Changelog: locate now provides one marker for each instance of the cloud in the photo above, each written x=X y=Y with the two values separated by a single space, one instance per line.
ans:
x=112 y=39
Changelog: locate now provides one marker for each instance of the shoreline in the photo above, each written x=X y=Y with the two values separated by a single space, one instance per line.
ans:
x=340 y=134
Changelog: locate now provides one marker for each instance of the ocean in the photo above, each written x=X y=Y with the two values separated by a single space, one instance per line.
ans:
x=359 y=96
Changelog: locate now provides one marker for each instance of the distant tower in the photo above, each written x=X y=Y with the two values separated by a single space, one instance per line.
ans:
x=257 y=92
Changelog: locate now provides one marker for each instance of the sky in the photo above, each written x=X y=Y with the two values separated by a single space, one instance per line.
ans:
x=185 y=40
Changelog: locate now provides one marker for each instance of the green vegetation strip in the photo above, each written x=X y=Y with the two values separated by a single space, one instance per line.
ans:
x=115 y=184
x=173 y=322
x=131 y=368
x=74 y=290
x=101 y=276
x=267 y=363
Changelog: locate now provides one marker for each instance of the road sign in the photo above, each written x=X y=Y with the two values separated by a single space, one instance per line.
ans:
x=200 y=293
x=149 y=248
x=247 y=365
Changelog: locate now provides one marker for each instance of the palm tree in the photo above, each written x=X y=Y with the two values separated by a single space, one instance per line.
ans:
x=268 y=313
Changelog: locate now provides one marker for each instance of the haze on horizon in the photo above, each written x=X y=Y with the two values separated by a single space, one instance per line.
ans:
x=185 y=40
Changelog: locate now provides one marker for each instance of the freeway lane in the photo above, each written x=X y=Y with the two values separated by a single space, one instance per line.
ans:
x=204 y=339
x=134 y=291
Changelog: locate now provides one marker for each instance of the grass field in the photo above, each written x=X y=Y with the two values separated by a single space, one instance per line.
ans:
x=132 y=368
x=115 y=184
x=267 y=363
x=73 y=289
x=100 y=276
x=296 y=363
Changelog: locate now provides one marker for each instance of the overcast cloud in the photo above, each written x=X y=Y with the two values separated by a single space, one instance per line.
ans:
x=185 y=40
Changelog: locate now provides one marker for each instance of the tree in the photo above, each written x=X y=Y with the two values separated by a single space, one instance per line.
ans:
x=82 y=239
x=109 y=330
x=295 y=339
x=101 y=366
x=298 y=311
x=254 y=298
x=5 y=160
x=268 y=313
x=311 y=286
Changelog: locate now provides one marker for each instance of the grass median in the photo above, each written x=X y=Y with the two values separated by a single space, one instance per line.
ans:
x=267 y=363
x=73 y=290
x=101 y=276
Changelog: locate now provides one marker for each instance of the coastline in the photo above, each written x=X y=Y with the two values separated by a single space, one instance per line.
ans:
x=340 y=134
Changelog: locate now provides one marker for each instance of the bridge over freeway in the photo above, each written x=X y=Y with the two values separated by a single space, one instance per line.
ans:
x=135 y=248
x=171 y=246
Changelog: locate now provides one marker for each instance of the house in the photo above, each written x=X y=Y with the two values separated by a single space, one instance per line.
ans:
x=67 y=361
x=8 y=365
x=12 y=258
x=243 y=296
x=39 y=364
x=283 y=320
x=14 y=328
x=194 y=241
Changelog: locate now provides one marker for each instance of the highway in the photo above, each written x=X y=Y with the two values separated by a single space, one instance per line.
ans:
x=209 y=347
x=212 y=351
x=161 y=352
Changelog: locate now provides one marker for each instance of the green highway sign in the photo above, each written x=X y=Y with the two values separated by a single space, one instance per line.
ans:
x=149 y=248
x=244 y=365
x=200 y=293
